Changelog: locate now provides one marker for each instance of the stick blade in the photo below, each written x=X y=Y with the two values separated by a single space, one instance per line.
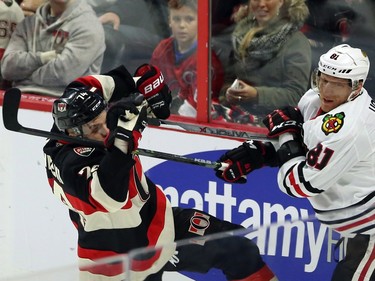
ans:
x=11 y=102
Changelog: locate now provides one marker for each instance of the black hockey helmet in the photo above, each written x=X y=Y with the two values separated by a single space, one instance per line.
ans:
x=76 y=107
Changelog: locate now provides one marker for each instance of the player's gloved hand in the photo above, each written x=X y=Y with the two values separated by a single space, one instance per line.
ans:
x=126 y=120
x=286 y=120
x=151 y=85
x=242 y=160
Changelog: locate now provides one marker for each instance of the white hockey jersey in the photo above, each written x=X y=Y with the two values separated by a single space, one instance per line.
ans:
x=338 y=173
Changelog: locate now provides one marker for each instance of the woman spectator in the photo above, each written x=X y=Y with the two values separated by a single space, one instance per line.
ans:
x=271 y=57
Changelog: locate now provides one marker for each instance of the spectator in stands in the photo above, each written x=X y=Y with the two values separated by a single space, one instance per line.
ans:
x=176 y=57
x=10 y=15
x=328 y=24
x=222 y=26
x=29 y=7
x=132 y=29
x=62 y=41
x=333 y=22
x=271 y=57
x=100 y=5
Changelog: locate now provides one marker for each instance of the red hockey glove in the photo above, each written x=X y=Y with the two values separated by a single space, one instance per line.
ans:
x=244 y=159
x=231 y=113
x=126 y=123
x=286 y=120
x=152 y=86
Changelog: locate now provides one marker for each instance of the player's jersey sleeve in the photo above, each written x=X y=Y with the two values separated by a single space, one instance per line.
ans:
x=113 y=205
x=88 y=179
x=114 y=85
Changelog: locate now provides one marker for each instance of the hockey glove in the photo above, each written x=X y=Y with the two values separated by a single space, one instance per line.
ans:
x=286 y=120
x=151 y=85
x=126 y=123
x=244 y=159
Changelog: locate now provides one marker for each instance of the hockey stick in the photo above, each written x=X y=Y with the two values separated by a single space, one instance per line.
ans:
x=12 y=98
x=211 y=131
x=215 y=131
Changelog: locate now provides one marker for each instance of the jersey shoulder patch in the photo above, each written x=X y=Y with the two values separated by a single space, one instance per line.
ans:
x=333 y=123
x=83 y=151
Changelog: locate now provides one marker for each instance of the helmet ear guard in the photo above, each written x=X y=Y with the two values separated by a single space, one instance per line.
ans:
x=77 y=131
x=315 y=74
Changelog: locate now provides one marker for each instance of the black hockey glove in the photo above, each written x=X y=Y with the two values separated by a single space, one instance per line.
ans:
x=126 y=121
x=152 y=86
x=286 y=120
x=247 y=157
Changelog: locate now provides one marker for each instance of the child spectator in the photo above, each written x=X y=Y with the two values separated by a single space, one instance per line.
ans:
x=62 y=41
x=176 y=57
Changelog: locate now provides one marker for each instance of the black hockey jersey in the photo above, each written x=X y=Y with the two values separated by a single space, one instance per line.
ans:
x=113 y=205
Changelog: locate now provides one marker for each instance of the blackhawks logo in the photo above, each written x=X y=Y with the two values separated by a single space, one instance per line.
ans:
x=333 y=123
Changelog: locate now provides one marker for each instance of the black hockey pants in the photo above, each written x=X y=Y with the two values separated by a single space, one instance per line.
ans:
x=358 y=261
x=236 y=256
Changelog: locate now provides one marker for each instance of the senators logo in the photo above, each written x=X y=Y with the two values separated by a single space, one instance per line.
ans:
x=61 y=107
x=333 y=123
x=199 y=223
x=84 y=151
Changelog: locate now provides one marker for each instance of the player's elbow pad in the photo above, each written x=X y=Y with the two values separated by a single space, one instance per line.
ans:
x=290 y=150
x=270 y=155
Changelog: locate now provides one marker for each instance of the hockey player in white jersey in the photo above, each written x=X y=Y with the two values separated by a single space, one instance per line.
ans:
x=327 y=155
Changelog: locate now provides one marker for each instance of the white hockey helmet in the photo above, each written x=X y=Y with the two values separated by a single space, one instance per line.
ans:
x=344 y=61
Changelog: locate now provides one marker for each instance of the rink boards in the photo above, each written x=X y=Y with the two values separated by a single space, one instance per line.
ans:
x=36 y=234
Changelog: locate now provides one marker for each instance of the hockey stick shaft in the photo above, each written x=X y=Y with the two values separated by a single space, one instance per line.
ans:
x=179 y=158
x=212 y=131
x=12 y=98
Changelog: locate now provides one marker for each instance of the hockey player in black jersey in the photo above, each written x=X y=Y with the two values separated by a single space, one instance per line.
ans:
x=111 y=202
x=332 y=163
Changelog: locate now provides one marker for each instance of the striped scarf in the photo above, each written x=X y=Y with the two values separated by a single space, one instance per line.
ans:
x=265 y=44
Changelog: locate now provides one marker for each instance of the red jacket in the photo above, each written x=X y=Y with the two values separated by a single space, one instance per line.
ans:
x=181 y=76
